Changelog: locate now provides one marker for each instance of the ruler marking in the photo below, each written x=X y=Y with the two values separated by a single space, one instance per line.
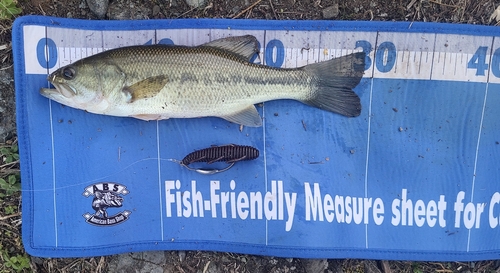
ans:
x=479 y=136
x=455 y=68
x=444 y=64
x=420 y=63
x=408 y=61
x=264 y=138
x=319 y=46
x=433 y=57
x=368 y=133
x=158 y=153
x=396 y=62
x=53 y=154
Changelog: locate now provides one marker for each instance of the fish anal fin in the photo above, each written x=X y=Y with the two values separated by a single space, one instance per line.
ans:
x=246 y=117
x=243 y=46
x=148 y=117
x=146 y=88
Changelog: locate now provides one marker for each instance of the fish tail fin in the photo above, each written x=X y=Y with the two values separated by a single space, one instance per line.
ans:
x=334 y=81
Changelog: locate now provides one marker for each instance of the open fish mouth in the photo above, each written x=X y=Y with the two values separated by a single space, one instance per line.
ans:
x=49 y=92
x=61 y=89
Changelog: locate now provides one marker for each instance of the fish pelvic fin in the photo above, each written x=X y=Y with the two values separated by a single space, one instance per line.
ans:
x=246 y=117
x=244 y=47
x=334 y=81
x=146 y=88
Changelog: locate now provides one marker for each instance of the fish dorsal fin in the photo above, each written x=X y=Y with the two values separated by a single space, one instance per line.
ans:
x=243 y=46
x=247 y=117
x=146 y=88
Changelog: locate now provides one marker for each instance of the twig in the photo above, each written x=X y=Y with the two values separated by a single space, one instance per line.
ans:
x=205 y=268
x=41 y=9
x=100 y=265
x=483 y=268
x=371 y=14
x=446 y=5
x=8 y=171
x=272 y=8
x=9 y=164
x=290 y=12
x=186 y=13
x=211 y=5
x=180 y=269
x=73 y=264
x=5 y=68
x=9 y=216
x=408 y=7
x=245 y=10
x=386 y=268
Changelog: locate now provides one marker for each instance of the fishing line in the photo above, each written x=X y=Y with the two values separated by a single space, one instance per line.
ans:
x=227 y=153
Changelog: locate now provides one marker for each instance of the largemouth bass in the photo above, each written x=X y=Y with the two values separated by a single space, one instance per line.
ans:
x=215 y=79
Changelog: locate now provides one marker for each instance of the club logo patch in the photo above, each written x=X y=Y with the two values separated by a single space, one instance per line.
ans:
x=107 y=195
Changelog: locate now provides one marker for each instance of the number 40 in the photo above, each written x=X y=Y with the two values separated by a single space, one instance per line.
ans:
x=478 y=62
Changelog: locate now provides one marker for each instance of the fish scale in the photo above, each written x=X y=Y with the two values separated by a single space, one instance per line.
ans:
x=205 y=67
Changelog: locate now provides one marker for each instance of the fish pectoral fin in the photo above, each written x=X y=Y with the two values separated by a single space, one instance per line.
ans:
x=246 y=117
x=243 y=46
x=146 y=88
x=147 y=117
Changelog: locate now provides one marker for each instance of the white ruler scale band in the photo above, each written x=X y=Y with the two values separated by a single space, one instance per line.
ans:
x=393 y=55
x=415 y=176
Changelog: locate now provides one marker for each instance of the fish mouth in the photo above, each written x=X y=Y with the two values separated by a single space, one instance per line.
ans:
x=61 y=90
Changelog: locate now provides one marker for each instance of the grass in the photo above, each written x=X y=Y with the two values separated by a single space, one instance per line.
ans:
x=9 y=9
x=12 y=255
x=10 y=181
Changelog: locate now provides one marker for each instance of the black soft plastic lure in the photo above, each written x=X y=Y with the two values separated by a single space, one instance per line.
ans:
x=230 y=154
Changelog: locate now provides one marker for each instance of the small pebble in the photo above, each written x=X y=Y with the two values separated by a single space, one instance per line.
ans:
x=195 y=3
x=182 y=255
x=330 y=12
x=117 y=12
x=156 y=10
x=315 y=266
x=98 y=7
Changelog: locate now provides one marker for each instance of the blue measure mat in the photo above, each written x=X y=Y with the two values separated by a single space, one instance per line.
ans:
x=414 y=177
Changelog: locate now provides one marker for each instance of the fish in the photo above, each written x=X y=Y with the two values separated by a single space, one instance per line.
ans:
x=215 y=79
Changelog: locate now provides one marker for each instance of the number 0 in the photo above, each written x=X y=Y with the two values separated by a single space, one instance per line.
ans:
x=46 y=53
x=387 y=64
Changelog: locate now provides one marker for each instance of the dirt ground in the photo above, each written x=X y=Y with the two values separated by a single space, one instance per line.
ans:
x=450 y=11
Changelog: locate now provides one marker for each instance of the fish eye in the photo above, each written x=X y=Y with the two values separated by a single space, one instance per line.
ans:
x=68 y=73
